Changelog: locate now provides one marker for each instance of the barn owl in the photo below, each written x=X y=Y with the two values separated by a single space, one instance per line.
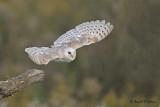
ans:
x=64 y=48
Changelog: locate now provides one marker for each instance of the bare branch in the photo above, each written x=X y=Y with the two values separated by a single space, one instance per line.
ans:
x=12 y=85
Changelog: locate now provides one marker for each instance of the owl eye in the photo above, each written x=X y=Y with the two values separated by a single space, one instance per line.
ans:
x=69 y=52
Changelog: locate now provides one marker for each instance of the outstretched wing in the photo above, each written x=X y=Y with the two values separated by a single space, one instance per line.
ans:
x=85 y=34
x=41 y=55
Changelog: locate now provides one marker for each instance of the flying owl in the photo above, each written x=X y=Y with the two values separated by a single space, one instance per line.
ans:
x=64 y=48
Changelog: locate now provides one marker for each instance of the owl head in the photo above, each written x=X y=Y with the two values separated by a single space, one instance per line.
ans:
x=70 y=53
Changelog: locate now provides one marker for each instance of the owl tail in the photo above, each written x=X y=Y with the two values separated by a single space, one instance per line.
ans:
x=41 y=55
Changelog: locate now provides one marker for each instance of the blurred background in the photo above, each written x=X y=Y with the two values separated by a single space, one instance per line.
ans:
x=124 y=66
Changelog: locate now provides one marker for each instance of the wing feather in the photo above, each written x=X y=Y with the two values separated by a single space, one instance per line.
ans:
x=41 y=55
x=85 y=34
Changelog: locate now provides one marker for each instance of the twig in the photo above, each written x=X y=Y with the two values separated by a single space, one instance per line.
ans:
x=12 y=85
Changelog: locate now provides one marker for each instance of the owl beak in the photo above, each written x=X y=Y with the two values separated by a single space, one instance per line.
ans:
x=72 y=56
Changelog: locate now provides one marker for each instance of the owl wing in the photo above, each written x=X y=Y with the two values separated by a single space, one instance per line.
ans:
x=85 y=34
x=41 y=55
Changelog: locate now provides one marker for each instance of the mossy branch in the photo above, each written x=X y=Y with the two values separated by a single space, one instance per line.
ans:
x=15 y=84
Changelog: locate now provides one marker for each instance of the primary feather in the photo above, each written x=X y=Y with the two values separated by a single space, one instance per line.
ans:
x=85 y=34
